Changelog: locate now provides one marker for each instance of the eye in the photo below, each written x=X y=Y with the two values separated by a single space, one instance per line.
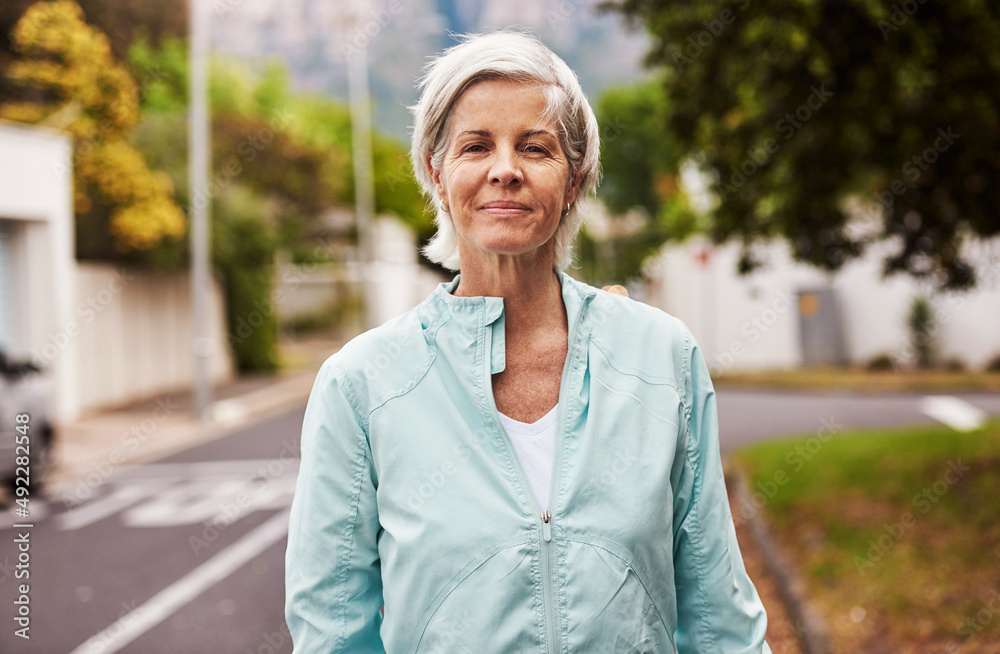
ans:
x=536 y=149
x=474 y=147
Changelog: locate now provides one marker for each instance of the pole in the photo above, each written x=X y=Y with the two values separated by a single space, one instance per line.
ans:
x=198 y=142
x=361 y=136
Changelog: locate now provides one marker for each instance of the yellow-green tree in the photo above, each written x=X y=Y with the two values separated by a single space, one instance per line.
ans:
x=73 y=82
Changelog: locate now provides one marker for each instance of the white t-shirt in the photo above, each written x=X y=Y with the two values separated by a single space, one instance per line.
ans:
x=535 y=444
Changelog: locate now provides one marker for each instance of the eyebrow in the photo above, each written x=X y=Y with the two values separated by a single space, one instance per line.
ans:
x=525 y=134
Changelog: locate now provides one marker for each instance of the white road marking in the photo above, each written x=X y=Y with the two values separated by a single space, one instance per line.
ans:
x=167 y=601
x=120 y=498
x=953 y=411
x=226 y=413
x=171 y=494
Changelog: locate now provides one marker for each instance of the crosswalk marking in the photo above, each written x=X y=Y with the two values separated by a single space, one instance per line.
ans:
x=172 y=494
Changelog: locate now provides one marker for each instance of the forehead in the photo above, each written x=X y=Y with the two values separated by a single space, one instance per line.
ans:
x=502 y=103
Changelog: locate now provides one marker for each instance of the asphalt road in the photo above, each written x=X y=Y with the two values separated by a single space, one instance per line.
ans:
x=186 y=555
x=747 y=416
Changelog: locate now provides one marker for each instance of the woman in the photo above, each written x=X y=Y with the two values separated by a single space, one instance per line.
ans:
x=521 y=463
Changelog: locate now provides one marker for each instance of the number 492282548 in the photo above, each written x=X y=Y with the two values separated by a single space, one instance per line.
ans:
x=23 y=479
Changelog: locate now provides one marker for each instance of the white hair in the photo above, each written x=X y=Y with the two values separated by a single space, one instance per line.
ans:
x=517 y=56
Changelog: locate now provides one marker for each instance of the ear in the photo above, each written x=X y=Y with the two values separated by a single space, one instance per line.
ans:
x=574 y=188
x=436 y=178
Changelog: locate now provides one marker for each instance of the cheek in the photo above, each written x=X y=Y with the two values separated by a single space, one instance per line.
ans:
x=458 y=178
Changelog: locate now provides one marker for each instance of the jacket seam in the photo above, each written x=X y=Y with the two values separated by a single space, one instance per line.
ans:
x=403 y=390
x=360 y=464
x=385 y=397
x=618 y=368
x=697 y=537
x=462 y=575
x=640 y=574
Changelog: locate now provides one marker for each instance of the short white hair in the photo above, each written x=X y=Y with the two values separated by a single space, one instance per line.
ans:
x=514 y=55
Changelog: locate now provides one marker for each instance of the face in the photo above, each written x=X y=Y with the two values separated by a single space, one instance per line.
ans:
x=504 y=177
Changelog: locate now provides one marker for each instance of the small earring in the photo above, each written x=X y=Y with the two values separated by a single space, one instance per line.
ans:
x=445 y=208
x=566 y=212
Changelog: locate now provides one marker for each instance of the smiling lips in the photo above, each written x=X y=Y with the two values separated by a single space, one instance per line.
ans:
x=505 y=208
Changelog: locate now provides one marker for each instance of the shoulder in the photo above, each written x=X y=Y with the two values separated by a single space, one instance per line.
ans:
x=642 y=339
x=384 y=361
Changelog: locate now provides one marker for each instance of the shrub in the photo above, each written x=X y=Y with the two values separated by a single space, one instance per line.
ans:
x=881 y=362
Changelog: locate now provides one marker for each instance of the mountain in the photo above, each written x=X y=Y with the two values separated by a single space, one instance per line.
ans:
x=314 y=39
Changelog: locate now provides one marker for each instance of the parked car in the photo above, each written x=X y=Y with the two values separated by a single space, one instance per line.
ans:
x=23 y=393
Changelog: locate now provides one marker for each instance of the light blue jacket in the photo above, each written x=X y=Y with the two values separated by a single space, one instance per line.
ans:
x=410 y=493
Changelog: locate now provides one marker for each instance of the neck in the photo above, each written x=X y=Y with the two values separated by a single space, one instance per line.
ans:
x=529 y=286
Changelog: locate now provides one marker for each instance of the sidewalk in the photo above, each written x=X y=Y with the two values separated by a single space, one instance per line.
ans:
x=94 y=446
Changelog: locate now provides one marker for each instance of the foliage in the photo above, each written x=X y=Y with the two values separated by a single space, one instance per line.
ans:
x=244 y=244
x=899 y=522
x=81 y=88
x=120 y=20
x=922 y=329
x=640 y=178
x=800 y=106
x=266 y=185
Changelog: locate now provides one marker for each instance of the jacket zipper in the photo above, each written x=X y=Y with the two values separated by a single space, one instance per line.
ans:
x=549 y=598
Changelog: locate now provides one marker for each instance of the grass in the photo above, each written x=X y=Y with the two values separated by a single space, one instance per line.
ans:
x=896 y=533
x=863 y=380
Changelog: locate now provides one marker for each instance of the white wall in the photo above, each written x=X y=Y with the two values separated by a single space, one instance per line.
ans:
x=396 y=281
x=134 y=334
x=101 y=339
x=752 y=322
x=36 y=189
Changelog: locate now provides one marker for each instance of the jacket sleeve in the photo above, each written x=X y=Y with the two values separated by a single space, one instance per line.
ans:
x=333 y=583
x=718 y=609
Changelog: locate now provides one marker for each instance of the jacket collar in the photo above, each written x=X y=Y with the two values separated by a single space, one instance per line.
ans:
x=470 y=313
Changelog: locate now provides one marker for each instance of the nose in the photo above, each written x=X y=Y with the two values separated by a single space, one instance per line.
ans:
x=505 y=169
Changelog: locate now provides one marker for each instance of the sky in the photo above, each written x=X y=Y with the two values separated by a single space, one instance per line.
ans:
x=311 y=39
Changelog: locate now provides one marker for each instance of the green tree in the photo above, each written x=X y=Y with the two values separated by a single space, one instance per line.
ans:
x=79 y=86
x=639 y=159
x=801 y=107
x=266 y=186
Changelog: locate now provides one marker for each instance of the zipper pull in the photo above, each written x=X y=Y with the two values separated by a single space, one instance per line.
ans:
x=546 y=529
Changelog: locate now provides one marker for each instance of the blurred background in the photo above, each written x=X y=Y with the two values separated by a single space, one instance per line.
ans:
x=806 y=183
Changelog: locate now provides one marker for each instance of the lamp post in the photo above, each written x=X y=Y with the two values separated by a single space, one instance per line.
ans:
x=353 y=12
x=198 y=153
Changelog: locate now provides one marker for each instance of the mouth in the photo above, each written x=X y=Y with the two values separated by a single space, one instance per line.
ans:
x=505 y=208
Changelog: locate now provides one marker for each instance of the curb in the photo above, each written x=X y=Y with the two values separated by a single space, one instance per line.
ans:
x=809 y=627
